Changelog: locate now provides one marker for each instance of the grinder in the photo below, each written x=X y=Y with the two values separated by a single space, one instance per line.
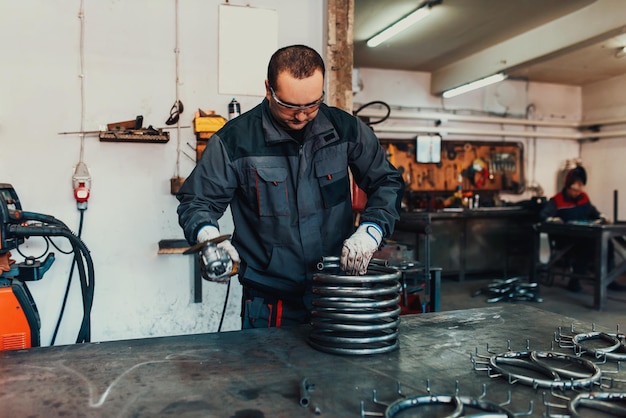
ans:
x=215 y=263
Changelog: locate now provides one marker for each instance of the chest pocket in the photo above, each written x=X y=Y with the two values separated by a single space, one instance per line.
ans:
x=333 y=182
x=271 y=191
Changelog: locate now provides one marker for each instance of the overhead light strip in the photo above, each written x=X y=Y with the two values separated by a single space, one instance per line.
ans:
x=483 y=82
x=400 y=25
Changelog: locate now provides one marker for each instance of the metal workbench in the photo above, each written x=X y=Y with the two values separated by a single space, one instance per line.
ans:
x=485 y=241
x=600 y=235
x=258 y=373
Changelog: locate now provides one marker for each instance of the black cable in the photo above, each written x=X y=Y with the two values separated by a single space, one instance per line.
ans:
x=219 y=328
x=68 y=286
x=44 y=252
x=63 y=304
x=384 y=118
x=57 y=247
x=47 y=219
x=87 y=280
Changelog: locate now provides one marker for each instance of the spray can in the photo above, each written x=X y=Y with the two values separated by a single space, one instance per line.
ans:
x=234 y=109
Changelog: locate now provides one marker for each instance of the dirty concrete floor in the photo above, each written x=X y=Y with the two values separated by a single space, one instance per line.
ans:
x=556 y=298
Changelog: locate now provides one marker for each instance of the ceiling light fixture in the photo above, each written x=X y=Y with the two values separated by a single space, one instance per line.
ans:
x=474 y=85
x=418 y=14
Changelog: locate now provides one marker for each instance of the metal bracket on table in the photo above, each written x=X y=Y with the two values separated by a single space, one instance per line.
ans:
x=457 y=401
x=510 y=290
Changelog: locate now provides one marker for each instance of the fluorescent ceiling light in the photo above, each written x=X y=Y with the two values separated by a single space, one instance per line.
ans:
x=399 y=26
x=474 y=85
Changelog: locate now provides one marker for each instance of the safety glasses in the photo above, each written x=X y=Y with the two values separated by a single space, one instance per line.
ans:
x=175 y=111
x=307 y=108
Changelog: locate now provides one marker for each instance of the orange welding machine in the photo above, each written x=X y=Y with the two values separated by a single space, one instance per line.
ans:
x=20 y=324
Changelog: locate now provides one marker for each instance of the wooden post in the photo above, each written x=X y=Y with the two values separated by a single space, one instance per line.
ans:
x=339 y=59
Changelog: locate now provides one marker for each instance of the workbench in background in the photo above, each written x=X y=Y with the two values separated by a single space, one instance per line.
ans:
x=491 y=242
x=258 y=373
x=601 y=236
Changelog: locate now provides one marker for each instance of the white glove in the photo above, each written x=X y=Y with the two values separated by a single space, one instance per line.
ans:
x=555 y=220
x=209 y=232
x=358 y=250
x=209 y=255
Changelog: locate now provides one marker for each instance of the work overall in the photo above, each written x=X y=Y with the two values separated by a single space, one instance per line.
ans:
x=261 y=309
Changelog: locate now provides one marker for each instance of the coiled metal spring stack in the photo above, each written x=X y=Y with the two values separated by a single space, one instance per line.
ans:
x=355 y=314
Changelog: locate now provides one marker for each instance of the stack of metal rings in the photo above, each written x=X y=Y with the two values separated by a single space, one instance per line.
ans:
x=355 y=314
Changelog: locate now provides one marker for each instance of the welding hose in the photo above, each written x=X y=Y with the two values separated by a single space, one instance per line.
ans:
x=40 y=217
x=68 y=286
x=87 y=281
x=77 y=264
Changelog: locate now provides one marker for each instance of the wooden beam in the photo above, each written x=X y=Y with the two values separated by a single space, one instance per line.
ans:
x=339 y=53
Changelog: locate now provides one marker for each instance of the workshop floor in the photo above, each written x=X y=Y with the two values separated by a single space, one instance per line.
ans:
x=458 y=295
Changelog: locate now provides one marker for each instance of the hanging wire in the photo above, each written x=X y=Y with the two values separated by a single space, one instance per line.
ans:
x=68 y=286
x=376 y=102
x=177 y=55
x=81 y=16
x=84 y=334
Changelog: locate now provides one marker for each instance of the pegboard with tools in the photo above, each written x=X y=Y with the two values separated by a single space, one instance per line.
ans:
x=475 y=166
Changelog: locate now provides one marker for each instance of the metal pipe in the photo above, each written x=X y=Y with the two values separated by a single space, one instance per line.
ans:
x=478 y=132
x=305 y=396
x=453 y=117
x=580 y=128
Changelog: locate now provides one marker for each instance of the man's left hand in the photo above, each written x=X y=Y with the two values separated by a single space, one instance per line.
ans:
x=358 y=250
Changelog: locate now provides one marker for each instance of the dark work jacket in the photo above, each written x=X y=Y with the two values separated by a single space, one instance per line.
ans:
x=568 y=209
x=290 y=202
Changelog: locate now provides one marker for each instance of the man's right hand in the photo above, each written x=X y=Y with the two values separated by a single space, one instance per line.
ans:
x=208 y=233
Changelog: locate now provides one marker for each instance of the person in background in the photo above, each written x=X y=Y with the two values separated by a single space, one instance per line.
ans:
x=572 y=204
x=283 y=167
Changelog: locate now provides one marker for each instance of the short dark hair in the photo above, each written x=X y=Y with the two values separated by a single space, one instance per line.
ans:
x=300 y=61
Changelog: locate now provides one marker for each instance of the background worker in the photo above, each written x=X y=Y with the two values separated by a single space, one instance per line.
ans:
x=572 y=204
x=283 y=169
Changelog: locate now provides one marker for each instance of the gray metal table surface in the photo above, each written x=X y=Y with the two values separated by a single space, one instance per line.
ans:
x=258 y=373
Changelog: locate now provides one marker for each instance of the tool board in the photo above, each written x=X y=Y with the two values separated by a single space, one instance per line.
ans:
x=475 y=165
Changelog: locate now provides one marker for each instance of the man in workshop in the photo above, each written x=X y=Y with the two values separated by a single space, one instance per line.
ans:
x=572 y=204
x=283 y=169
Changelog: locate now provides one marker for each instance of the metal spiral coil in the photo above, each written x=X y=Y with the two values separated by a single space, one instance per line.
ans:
x=355 y=314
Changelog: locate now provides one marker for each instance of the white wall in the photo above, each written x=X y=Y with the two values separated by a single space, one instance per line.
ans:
x=129 y=70
x=604 y=159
